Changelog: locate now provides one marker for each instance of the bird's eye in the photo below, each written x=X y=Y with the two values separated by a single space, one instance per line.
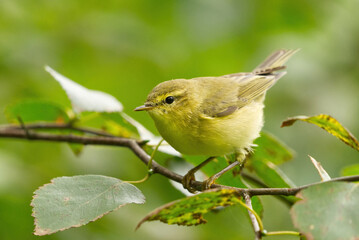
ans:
x=169 y=99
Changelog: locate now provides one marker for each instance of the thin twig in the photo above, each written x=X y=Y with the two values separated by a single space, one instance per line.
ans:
x=87 y=140
x=64 y=126
x=136 y=147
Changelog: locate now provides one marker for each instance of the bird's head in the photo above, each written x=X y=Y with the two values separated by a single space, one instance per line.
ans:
x=169 y=99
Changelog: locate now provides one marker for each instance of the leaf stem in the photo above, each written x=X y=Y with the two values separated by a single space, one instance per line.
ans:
x=141 y=180
x=149 y=165
x=276 y=233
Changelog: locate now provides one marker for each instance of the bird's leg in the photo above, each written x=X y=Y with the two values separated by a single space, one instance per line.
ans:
x=209 y=181
x=240 y=160
x=186 y=180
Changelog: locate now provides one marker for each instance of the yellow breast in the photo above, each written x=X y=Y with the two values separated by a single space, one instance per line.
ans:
x=209 y=136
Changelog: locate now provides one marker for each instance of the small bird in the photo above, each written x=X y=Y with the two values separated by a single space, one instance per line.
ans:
x=214 y=116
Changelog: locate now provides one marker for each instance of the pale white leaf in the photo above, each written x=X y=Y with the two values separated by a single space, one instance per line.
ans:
x=83 y=99
x=322 y=173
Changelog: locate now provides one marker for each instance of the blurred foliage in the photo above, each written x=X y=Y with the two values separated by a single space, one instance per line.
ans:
x=127 y=47
x=312 y=217
x=33 y=111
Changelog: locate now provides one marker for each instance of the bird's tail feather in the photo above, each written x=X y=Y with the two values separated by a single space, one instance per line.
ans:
x=274 y=62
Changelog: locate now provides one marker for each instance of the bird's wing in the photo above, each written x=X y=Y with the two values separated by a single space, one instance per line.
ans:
x=236 y=92
x=240 y=89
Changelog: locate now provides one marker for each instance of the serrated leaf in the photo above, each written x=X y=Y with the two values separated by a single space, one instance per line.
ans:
x=350 y=170
x=328 y=211
x=36 y=111
x=329 y=124
x=272 y=149
x=83 y=99
x=75 y=201
x=189 y=211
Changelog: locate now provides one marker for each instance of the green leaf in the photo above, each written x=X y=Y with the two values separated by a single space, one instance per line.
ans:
x=76 y=148
x=328 y=211
x=112 y=123
x=36 y=111
x=117 y=125
x=257 y=206
x=350 y=170
x=189 y=211
x=270 y=174
x=271 y=149
x=74 y=201
x=329 y=124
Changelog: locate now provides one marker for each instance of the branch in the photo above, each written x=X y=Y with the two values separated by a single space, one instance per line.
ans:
x=259 y=183
x=64 y=126
x=101 y=138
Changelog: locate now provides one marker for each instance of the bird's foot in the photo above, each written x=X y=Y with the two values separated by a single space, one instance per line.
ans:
x=187 y=179
x=206 y=184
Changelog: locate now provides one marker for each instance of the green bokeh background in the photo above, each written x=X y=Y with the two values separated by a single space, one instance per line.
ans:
x=127 y=47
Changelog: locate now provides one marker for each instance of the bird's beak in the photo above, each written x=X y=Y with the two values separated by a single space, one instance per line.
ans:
x=144 y=107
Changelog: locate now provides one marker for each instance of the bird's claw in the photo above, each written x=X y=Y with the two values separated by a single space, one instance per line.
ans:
x=206 y=184
x=186 y=181
x=189 y=177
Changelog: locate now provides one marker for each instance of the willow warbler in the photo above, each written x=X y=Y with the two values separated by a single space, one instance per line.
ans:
x=214 y=116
